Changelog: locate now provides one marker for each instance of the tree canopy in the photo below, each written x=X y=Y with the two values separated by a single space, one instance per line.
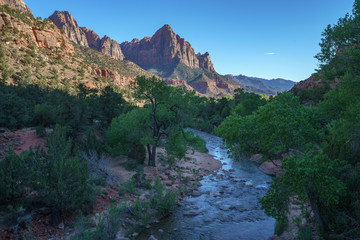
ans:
x=163 y=118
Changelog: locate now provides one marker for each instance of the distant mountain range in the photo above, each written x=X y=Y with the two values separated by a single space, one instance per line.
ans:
x=261 y=85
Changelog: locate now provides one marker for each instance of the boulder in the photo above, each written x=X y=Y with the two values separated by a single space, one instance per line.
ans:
x=191 y=213
x=256 y=158
x=271 y=168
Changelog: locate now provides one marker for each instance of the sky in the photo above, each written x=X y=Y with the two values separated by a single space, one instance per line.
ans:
x=258 y=38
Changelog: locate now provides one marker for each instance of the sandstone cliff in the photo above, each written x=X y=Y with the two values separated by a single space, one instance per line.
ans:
x=165 y=54
x=165 y=48
x=86 y=37
x=16 y=4
x=46 y=37
x=93 y=40
x=111 y=47
x=65 y=21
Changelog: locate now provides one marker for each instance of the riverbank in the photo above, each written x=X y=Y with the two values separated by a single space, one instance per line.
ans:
x=224 y=207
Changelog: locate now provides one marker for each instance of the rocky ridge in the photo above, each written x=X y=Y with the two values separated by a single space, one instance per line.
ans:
x=165 y=48
x=312 y=82
x=17 y=4
x=165 y=54
x=84 y=36
x=47 y=37
x=261 y=85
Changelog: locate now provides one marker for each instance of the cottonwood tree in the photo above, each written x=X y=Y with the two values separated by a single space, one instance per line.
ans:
x=163 y=118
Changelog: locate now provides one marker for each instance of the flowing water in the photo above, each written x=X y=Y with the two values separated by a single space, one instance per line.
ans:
x=228 y=208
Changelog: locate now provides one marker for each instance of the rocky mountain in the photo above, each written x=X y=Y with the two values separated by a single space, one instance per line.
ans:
x=261 y=85
x=84 y=36
x=16 y=4
x=169 y=56
x=35 y=51
x=43 y=34
x=165 y=48
x=66 y=22
x=165 y=54
x=314 y=81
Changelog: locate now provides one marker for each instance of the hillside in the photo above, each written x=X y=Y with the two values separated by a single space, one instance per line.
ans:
x=261 y=85
x=37 y=52
x=165 y=54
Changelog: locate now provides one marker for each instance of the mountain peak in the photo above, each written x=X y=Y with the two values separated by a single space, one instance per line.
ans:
x=166 y=27
x=85 y=36
x=65 y=21
x=165 y=48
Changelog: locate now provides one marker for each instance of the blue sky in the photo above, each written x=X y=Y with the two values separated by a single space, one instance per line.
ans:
x=260 y=38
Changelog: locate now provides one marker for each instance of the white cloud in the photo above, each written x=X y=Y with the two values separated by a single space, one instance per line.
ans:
x=270 y=53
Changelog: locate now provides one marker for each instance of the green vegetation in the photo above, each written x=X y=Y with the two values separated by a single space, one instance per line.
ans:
x=210 y=113
x=29 y=105
x=164 y=116
x=323 y=168
x=57 y=179
x=318 y=129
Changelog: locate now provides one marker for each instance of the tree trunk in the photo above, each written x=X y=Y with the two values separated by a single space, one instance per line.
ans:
x=317 y=214
x=152 y=155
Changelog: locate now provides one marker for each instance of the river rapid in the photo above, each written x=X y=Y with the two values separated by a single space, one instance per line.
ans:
x=228 y=208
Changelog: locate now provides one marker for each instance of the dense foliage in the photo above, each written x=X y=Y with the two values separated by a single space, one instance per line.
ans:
x=323 y=142
x=164 y=117
x=58 y=179
x=30 y=105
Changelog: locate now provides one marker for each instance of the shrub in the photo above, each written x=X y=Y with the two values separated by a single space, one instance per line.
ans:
x=40 y=131
x=17 y=218
x=99 y=168
x=305 y=234
x=43 y=115
x=127 y=187
x=66 y=182
x=280 y=226
x=107 y=228
x=14 y=176
x=163 y=200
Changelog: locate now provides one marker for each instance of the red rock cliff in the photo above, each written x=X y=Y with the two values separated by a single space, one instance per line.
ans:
x=44 y=38
x=65 y=21
x=165 y=48
x=86 y=37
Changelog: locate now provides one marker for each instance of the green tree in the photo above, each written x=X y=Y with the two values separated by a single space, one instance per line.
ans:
x=65 y=181
x=164 y=112
x=14 y=178
x=275 y=128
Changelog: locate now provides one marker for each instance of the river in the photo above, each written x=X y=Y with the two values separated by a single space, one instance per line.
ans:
x=228 y=208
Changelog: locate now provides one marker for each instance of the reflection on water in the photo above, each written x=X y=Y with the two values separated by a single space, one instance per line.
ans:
x=228 y=208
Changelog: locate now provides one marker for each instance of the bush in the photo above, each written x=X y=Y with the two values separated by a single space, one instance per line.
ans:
x=305 y=234
x=14 y=177
x=280 y=226
x=43 y=115
x=140 y=180
x=108 y=227
x=66 y=182
x=127 y=187
x=99 y=168
x=163 y=200
x=17 y=218
x=40 y=131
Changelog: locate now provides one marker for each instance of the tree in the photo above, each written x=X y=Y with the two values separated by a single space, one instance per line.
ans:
x=164 y=113
x=273 y=129
x=64 y=183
